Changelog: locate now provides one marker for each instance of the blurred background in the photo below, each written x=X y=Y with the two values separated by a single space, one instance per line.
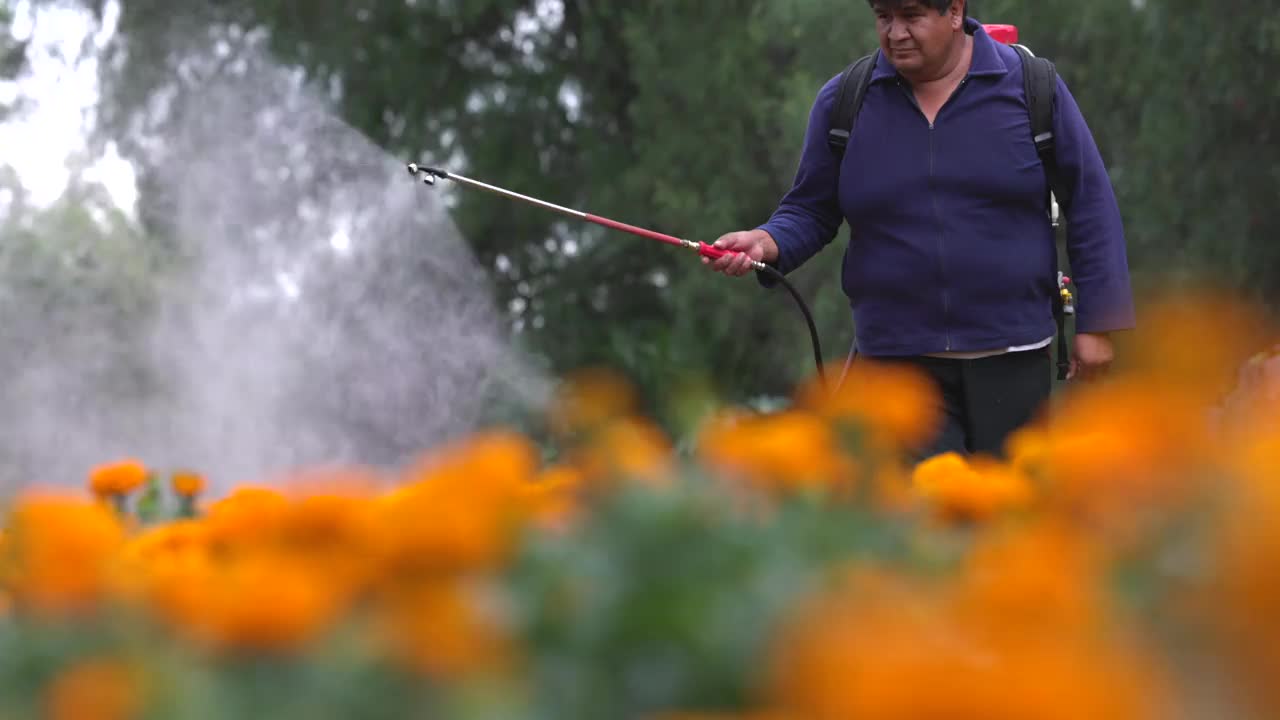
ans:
x=210 y=253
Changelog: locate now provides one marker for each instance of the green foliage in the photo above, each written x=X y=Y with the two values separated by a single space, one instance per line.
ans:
x=668 y=600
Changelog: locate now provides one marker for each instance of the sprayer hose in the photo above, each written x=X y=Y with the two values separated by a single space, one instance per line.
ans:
x=808 y=317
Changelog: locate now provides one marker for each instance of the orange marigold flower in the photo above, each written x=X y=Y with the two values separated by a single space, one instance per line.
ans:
x=444 y=526
x=1118 y=452
x=1021 y=578
x=898 y=406
x=589 y=398
x=625 y=449
x=784 y=451
x=969 y=490
x=154 y=546
x=98 y=689
x=461 y=510
x=172 y=585
x=1026 y=450
x=59 y=552
x=867 y=649
x=334 y=535
x=187 y=483
x=118 y=478
x=444 y=629
x=551 y=498
x=261 y=601
x=1239 y=595
x=159 y=540
x=1194 y=342
x=497 y=459
x=246 y=516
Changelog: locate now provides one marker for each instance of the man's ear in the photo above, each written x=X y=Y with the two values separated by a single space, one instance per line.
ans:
x=957 y=13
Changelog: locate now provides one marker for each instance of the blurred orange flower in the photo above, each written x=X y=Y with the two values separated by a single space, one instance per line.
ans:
x=1241 y=590
x=244 y=517
x=157 y=541
x=461 y=511
x=976 y=489
x=94 y=690
x=1122 y=450
x=444 y=629
x=59 y=551
x=1022 y=578
x=188 y=483
x=898 y=406
x=117 y=478
x=146 y=560
x=868 y=648
x=552 y=497
x=261 y=601
x=331 y=535
x=779 y=452
x=624 y=449
x=497 y=460
x=589 y=398
x=1194 y=342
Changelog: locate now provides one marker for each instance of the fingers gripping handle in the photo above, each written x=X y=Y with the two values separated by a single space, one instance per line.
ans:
x=715 y=253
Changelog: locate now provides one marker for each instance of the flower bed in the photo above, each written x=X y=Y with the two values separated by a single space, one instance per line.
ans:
x=1121 y=561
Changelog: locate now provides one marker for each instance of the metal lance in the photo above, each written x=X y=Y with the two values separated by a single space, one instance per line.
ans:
x=430 y=175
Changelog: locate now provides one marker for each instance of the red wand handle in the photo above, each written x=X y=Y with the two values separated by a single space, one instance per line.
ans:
x=705 y=250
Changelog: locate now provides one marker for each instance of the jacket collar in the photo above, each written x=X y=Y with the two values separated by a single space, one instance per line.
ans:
x=986 y=56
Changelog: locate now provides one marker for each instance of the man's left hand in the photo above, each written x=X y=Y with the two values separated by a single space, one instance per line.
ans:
x=1091 y=356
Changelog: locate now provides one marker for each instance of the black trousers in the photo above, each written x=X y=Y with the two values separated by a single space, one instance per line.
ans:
x=985 y=399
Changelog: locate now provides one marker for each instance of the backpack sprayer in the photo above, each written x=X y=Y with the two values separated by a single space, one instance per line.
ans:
x=1007 y=34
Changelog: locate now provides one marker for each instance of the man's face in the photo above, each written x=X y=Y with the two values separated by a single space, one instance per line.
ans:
x=915 y=37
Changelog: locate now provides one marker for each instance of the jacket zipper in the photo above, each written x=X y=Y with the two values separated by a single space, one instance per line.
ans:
x=937 y=214
x=942 y=267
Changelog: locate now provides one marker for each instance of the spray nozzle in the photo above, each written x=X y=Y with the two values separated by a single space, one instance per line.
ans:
x=429 y=174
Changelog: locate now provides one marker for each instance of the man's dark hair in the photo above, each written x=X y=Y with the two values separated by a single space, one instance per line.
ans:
x=939 y=5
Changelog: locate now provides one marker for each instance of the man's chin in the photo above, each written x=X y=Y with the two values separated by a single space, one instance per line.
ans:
x=908 y=64
x=904 y=57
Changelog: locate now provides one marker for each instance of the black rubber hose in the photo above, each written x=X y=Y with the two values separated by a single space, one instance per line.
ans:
x=808 y=318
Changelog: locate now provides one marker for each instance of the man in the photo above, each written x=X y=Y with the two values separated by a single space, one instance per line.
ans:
x=951 y=259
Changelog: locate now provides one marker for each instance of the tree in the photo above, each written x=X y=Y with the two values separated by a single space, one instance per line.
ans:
x=75 y=305
x=13 y=52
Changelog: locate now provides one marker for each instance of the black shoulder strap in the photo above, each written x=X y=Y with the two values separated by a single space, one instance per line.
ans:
x=1041 y=80
x=853 y=86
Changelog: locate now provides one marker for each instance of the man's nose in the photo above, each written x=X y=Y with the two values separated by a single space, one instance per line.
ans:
x=898 y=30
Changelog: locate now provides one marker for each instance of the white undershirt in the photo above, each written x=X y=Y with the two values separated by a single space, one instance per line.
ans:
x=988 y=353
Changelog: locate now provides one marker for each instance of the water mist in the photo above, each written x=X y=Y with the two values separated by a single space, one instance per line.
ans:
x=324 y=310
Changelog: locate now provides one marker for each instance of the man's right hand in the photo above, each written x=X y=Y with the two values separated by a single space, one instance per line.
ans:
x=749 y=244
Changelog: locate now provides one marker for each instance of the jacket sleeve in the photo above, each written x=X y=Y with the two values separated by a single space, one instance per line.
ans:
x=809 y=215
x=1095 y=232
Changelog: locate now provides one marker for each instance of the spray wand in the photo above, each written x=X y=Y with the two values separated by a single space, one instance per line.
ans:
x=429 y=176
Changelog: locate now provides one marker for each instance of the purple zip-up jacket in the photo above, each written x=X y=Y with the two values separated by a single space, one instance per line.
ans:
x=951 y=247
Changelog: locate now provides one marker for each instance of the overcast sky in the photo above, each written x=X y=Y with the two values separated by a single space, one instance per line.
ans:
x=61 y=90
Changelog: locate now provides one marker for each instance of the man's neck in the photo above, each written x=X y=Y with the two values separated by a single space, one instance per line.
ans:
x=956 y=66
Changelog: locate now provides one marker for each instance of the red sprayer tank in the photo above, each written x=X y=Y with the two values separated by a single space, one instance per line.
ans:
x=1007 y=34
